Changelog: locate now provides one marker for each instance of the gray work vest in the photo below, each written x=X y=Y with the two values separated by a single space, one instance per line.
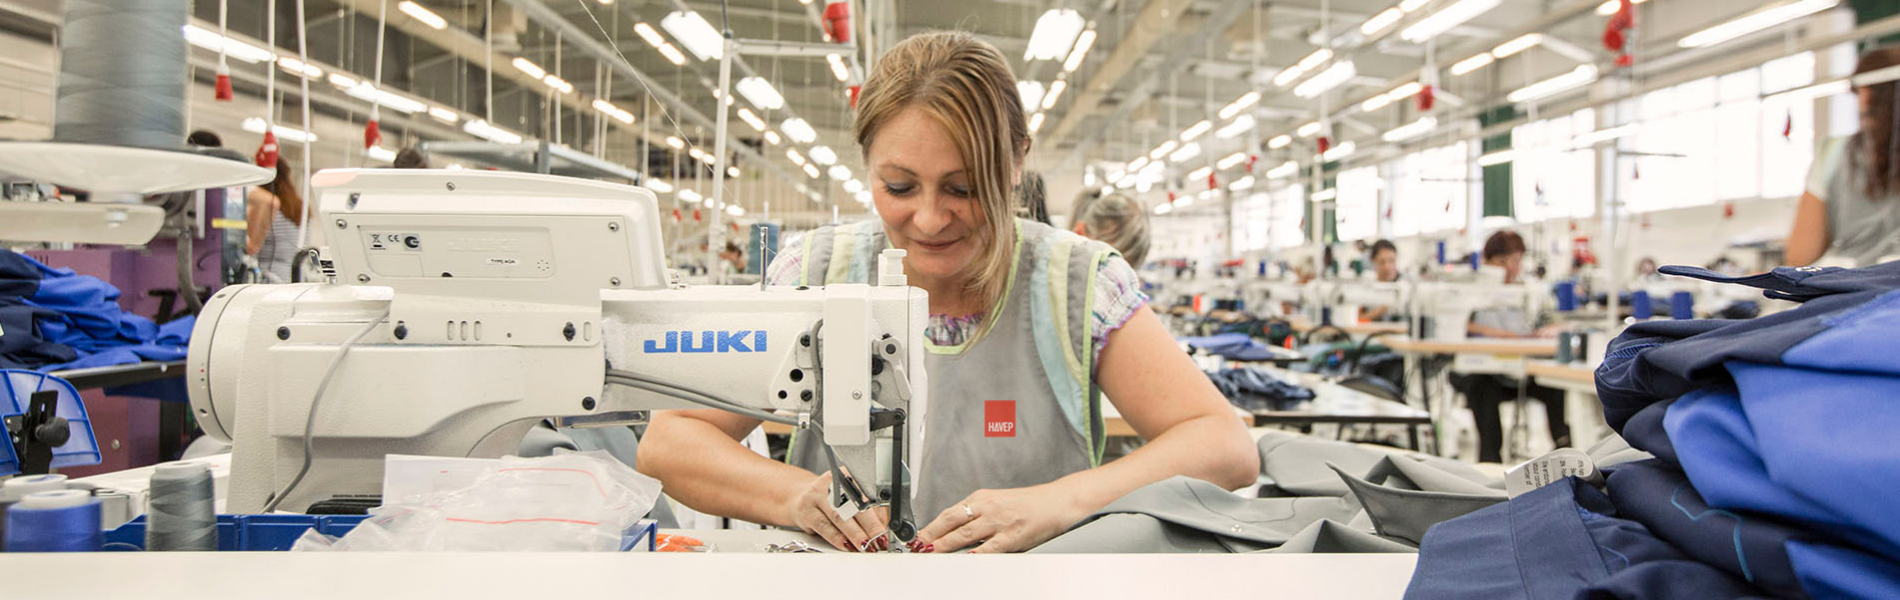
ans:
x=1019 y=406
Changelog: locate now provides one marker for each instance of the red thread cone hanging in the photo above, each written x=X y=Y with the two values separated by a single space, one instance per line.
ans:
x=838 y=21
x=224 y=92
x=372 y=133
x=267 y=152
x=1427 y=97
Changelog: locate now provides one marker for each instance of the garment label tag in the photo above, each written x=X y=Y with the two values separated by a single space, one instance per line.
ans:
x=999 y=418
x=1543 y=470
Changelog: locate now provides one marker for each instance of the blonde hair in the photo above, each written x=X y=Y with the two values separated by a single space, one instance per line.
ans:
x=966 y=85
x=1117 y=220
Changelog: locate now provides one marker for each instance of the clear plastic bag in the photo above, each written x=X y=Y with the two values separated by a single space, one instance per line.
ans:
x=572 y=501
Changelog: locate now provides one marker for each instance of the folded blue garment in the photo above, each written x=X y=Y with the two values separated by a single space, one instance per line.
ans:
x=1558 y=542
x=53 y=319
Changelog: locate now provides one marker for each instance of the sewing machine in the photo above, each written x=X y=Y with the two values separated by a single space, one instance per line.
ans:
x=1444 y=309
x=1346 y=297
x=488 y=301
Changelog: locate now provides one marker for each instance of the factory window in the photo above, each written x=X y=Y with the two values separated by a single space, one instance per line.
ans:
x=1753 y=127
x=1356 y=215
x=1431 y=190
x=1253 y=218
x=1552 y=177
x=1288 y=218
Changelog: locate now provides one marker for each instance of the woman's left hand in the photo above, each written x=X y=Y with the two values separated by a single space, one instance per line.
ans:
x=1001 y=521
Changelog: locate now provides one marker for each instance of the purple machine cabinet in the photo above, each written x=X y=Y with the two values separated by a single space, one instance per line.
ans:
x=136 y=431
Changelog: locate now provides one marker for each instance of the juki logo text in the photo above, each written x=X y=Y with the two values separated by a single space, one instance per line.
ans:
x=707 y=342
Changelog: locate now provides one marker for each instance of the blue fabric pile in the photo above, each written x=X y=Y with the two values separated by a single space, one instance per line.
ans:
x=1773 y=463
x=52 y=319
x=1254 y=389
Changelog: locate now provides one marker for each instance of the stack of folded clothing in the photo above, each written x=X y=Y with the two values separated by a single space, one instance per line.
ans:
x=1254 y=389
x=1773 y=462
x=53 y=319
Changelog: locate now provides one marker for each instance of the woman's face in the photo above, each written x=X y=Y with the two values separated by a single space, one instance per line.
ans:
x=1513 y=265
x=924 y=194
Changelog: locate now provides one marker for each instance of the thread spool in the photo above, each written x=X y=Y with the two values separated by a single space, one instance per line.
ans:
x=1682 y=305
x=122 y=74
x=18 y=487
x=1640 y=306
x=61 y=521
x=1566 y=296
x=182 y=516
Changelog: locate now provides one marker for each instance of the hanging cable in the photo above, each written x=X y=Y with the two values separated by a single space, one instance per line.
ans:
x=373 y=132
x=303 y=54
x=310 y=421
x=223 y=89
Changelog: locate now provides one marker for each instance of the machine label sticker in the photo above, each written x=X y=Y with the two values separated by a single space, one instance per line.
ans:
x=999 y=418
x=708 y=342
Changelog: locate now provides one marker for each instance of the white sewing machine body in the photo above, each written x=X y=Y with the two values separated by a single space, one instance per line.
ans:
x=509 y=298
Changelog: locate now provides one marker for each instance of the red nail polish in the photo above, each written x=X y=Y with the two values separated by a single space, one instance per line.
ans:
x=929 y=548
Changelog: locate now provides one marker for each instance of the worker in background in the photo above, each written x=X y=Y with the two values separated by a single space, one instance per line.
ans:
x=1116 y=220
x=272 y=213
x=410 y=158
x=1485 y=393
x=1385 y=268
x=204 y=138
x=1850 y=206
x=943 y=137
x=1035 y=206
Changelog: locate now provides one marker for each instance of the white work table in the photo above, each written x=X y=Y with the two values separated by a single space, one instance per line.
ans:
x=827 y=576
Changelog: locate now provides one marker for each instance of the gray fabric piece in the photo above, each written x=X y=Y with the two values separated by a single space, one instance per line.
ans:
x=1231 y=521
x=1330 y=537
x=1406 y=514
x=1388 y=509
x=1297 y=464
x=1004 y=365
x=1130 y=533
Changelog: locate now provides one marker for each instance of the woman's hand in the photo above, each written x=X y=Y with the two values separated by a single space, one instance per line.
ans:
x=811 y=512
x=1002 y=521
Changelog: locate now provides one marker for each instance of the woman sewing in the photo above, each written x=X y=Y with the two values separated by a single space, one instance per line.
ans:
x=943 y=136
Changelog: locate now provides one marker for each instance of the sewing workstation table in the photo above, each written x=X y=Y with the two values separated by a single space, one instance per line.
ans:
x=118 y=375
x=826 y=576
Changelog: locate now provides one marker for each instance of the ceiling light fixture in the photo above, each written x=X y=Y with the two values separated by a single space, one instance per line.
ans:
x=1579 y=77
x=798 y=130
x=760 y=93
x=696 y=34
x=1472 y=64
x=1055 y=34
x=1243 y=124
x=426 y=16
x=1196 y=130
x=1081 y=51
x=1244 y=102
x=1447 y=18
x=1755 y=21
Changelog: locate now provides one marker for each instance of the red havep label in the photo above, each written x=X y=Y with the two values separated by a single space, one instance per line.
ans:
x=999 y=418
